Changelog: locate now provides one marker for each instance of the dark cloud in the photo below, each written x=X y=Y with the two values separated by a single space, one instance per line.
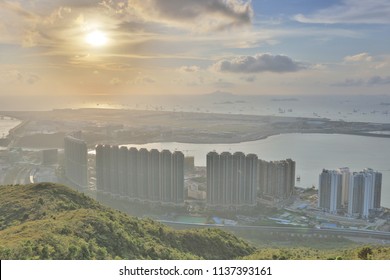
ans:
x=189 y=9
x=258 y=63
x=210 y=14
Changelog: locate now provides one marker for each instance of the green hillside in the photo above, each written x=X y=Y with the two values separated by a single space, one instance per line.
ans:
x=51 y=221
x=371 y=252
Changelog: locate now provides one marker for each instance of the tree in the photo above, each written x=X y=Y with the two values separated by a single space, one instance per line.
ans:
x=364 y=253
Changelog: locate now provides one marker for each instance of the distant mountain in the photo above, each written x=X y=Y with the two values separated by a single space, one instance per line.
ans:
x=219 y=93
x=51 y=221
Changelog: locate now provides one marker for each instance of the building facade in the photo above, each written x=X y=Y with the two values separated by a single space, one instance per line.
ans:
x=330 y=191
x=140 y=174
x=231 y=179
x=76 y=161
x=346 y=175
x=364 y=193
x=276 y=179
x=49 y=156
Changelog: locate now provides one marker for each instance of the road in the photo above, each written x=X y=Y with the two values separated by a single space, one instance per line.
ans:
x=296 y=230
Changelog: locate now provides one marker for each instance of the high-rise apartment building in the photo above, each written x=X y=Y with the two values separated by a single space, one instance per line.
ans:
x=132 y=172
x=140 y=174
x=76 y=161
x=276 y=179
x=154 y=191
x=177 y=177
x=364 y=193
x=357 y=192
x=346 y=174
x=49 y=156
x=122 y=171
x=330 y=190
x=231 y=179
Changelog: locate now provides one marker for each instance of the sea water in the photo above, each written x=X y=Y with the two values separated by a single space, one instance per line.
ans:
x=312 y=153
x=6 y=124
x=362 y=108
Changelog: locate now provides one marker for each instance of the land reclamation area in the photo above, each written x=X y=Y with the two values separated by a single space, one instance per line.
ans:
x=46 y=129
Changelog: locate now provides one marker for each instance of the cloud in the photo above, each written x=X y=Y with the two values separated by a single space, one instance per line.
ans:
x=147 y=80
x=115 y=81
x=18 y=77
x=372 y=81
x=220 y=83
x=258 y=63
x=16 y=8
x=142 y=80
x=349 y=83
x=208 y=14
x=361 y=57
x=351 y=12
x=117 y=66
x=249 y=79
x=378 y=80
x=189 y=69
x=29 y=24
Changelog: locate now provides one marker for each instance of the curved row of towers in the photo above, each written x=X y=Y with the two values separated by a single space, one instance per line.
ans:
x=233 y=180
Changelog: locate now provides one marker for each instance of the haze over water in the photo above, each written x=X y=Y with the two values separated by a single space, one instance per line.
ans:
x=362 y=108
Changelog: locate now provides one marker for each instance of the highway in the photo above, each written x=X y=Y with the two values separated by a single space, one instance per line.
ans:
x=295 y=230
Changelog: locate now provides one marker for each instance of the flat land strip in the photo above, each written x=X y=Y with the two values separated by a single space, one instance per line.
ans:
x=47 y=128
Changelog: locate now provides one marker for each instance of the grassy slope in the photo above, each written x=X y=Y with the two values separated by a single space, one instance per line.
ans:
x=372 y=252
x=52 y=221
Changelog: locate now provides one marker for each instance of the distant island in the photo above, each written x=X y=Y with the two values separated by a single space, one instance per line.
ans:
x=285 y=99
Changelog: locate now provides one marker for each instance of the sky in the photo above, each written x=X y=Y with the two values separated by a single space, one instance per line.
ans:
x=157 y=47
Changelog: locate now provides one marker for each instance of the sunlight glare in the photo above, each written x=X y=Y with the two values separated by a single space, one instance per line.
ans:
x=96 y=38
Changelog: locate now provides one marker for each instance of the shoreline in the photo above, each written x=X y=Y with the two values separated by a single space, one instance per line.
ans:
x=263 y=138
x=116 y=126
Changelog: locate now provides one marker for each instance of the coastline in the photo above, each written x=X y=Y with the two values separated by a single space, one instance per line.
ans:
x=7 y=126
x=115 y=126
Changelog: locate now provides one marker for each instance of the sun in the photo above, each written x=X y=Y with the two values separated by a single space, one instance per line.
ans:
x=96 y=38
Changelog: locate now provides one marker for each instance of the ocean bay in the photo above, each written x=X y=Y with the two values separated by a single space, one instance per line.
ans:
x=6 y=124
x=312 y=153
